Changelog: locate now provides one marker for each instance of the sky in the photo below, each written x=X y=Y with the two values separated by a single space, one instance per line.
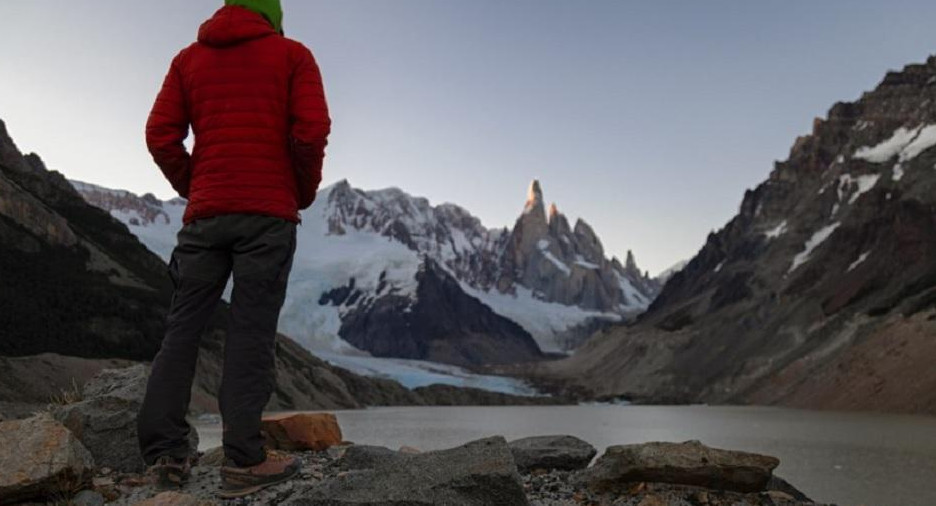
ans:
x=646 y=119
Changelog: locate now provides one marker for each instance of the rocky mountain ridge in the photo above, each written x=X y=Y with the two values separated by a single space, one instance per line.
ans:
x=81 y=293
x=362 y=252
x=821 y=292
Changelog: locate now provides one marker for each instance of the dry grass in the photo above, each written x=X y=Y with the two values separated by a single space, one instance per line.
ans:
x=67 y=396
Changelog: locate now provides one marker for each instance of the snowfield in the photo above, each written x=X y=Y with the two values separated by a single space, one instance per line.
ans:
x=379 y=265
x=418 y=373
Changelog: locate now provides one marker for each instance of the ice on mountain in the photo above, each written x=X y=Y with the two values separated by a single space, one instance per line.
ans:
x=864 y=184
x=580 y=261
x=419 y=373
x=925 y=139
x=545 y=321
x=905 y=143
x=898 y=172
x=856 y=263
x=813 y=243
x=777 y=231
x=635 y=301
x=555 y=261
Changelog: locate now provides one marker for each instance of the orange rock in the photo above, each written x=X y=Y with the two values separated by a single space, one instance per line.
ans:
x=302 y=431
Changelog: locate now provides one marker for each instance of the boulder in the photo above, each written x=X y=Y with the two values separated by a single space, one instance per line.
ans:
x=40 y=458
x=551 y=452
x=302 y=431
x=105 y=420
x=688 y=463
x=478 y=473
x=778 y=484
x=368 y=457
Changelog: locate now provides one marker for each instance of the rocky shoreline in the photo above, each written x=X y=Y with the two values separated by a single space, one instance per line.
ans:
x=83 y=452
x=351 y=474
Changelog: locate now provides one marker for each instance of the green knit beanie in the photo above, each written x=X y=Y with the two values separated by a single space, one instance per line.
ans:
x=270 y=9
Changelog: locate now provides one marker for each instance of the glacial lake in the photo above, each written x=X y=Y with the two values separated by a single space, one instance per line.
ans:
x=850 y=459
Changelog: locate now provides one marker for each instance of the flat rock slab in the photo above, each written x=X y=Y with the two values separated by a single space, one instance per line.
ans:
x=39 y=458
x=301 y=431
x=479 y=473
x=552 y=452
x=689 y=463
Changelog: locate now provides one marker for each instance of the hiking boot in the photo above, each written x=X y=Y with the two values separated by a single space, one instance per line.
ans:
x=240 y=481
x=171 y=472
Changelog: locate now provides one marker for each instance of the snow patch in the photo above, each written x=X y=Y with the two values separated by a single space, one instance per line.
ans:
x=856 y=263
x=813 y=243
x=555 y=261
x=580 y=261
x=925 y=139
x=898 y=172
x=864 y=183
x=905 y=143
x=635 y=299
x=777 y=231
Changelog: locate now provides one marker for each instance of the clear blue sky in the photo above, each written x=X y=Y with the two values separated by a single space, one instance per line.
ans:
x=648 y=119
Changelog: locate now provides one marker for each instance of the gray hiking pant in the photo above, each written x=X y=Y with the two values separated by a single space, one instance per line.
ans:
x=259 y=251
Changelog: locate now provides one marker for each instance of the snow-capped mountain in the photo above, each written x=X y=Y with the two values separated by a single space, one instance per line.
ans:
x=390 y=274
x=79 y=292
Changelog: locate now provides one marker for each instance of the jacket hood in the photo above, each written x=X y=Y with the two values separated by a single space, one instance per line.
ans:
x=232 y=25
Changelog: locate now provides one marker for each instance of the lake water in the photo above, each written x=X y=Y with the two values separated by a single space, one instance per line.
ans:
x=846 y=458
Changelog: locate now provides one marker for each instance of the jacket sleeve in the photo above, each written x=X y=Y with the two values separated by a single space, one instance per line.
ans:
x=309 y=125
x=166 y=129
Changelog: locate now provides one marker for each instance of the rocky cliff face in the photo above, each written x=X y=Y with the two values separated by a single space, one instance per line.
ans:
x=361 y=254
x=568 y=265
x=443 y=324
x=74 y=280
x=821 y=292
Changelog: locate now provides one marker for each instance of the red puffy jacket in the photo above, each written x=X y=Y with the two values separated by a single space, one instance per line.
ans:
x=257 y=108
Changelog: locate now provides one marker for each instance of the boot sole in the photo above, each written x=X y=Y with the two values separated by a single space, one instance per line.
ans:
x=241 y=492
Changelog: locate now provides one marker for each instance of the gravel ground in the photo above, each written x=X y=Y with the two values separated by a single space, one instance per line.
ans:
x=543 y=488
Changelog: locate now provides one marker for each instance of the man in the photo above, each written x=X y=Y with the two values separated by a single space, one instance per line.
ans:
x=255 y=102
